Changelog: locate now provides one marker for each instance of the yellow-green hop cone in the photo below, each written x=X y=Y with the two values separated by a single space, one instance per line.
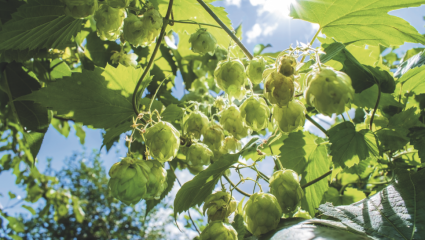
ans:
x=231 y=145
x=157 y=180
x=198 y=154
x=279 y=89
x=255 y=113
x=220 y=103
x=231 y=120
x=195 y=124
x=255 y=70
x=284 y=184
x=290 y=117
x=286 y=65
x=230 y=77
x=124 y=59
x=203 y=42
x=109 y=22
x=328 y=91
x=261 y=213
x=118 y=3
x=163 y=141
x=219 y=206
x=200 y=86
x=152 y=21
x=80 y=8
x=129 y=179
x=218 y=230
x=142 y=31
x=214 y=137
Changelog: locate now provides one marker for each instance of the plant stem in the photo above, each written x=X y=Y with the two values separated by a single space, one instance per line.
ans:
x=151 y=60
x=312 y=41
x=276 y=159
x=233 y=185
x=316 y=124
x=225 y=28
x=316 y=180
x=193 y=22
x=403 y=153
x=376 y=107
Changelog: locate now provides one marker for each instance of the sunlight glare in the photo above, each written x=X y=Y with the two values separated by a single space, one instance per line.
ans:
x=277 y=8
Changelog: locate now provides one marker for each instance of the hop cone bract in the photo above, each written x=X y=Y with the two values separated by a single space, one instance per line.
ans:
x=231 y=120
x=219 y=230
x=255 y=69
x=231 y=145
x=142 y=31
x=279 y=89
x=284 y=184
x=219 y=206
x=203 y=42
x=198 y=154
x=195 y=124
x=109 y=22
x=286 y=65
x=230 y=77
x=255 y=113
x=163 y=141
x=124 y=59
x=213 y=137
x=157 y=180
x=290 y=117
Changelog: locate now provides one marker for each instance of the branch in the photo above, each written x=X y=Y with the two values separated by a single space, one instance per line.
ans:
x=233 y=185
x=376 y=107
x=316 y=124
x=193 y=22
x=228 y=31
x=316 y=180
x=151 y=60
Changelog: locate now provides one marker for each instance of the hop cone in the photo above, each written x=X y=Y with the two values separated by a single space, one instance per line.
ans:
x=231 y=145
x=198 y=154
x=195 y=124
x=230 y=77
x=261 y=213
x=124 y=59
x=118 y=3
x=279 y=89
x=203 y=42
x=328 y=91
x=290 y=117
x=200 y=86
x=286 y=65
x=219 y=206
x=109 y=22
x=80 y=8
x=213 y=137
x=157 y=180
x=142 y=31
x=285 y=186
x=219 y=230
x=232 y=121
x=255 y=69
x=220 y=103
x=255 y=113
x=163 y=141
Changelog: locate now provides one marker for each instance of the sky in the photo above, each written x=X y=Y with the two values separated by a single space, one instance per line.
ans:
x=263 y=21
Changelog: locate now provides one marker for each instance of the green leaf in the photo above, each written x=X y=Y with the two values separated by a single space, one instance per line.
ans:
x=367 y=99
x=34 y=140
x=383 y=78
x=99 y=51
x=405 y=119
x=396 y=212
x=79 y=131
x=11 y=195
x=6 y=10
x=350 y=147
x=114 y=132
x=78 y=211
x=351 y=195
x=417 y=139
x=171 y=178
x=124 y=79
x=59 y=69
x=310 y=160
x=172 y=113
x=94 y=97
x=61 y=126
x=39 y=24
x=15 y=224
x=29 y=209
x=363 y=20
x=392 y=139
x=413 y=81
x=413 y=62
x=239 y=226
x=258 y=49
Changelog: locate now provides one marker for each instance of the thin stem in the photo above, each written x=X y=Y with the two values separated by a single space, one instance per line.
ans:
x=235 y=187
x=225 y=28
x=312 y=41
x=316 y=180
x=316 y=124
x=403 y=153
x=151 y=60
x=156 y=92
x=193 y=22
x=63 y=118
x=276 y=159
x=376 y=107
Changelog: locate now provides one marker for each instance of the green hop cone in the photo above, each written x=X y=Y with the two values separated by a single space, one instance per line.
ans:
x=118 y=3
x=219 y=206
x=200 y=86
x=142 y=31
x=284 y=184
x=214 y=137
x=255 y=70
x=163 y=141
x=198 y=154
x=220 y=103
x=279 y=89
x=129 y=179
x=219 y=230
x=328 y=91
x=290 y=117
x=195 y=124
x=203 y=42
x=286 y=65
x=261 y=213
x=231 y=145
x=255 y=113
x=124 y=59
x=230 y=77
x=152 y=20
x=157 y=180
x=231 y=120
x=109 y=22
x=80 y=8
x=302 y=214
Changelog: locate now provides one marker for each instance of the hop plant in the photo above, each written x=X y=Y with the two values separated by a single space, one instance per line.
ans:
x=213 y=137
x=255 y=70
x=290 y=117
x=163 y=141
x=157 y=180
x=286 y=65
x=219 y=206
x=255 y=113
x=109 y=22
x=203 y=42
x=80 y=8
x=195 y=124
x=124 y=59
x=219 y=230
x=328 y=91
x=261 y=213
x=118 y=3
x=198 y=154
x=230 y=77
x=231 y=145
x=279 y=89
x=284 y=184
x=142 y=31
x=231 y=120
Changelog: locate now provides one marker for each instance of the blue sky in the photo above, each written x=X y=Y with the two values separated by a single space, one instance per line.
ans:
x=263 y=22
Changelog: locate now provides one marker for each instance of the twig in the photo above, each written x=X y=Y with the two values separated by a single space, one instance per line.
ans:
x=316 y=124
x=376 y=107
x=193 y=22
x=237 y=189
x=316 y=180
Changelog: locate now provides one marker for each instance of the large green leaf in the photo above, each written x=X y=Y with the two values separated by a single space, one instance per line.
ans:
x=301 y=153
x=367 y=99
x=363 y=20
x=99 y=51
x=413 y=80
x=39 y=24
x=413 y=62
x=6 y=10
x=396 y=212
x=350 y=147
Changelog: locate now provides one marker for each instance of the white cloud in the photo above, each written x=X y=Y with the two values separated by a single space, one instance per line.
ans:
x=277 y=7
x=254 y=33
x=270 y=29
x=233 y=2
